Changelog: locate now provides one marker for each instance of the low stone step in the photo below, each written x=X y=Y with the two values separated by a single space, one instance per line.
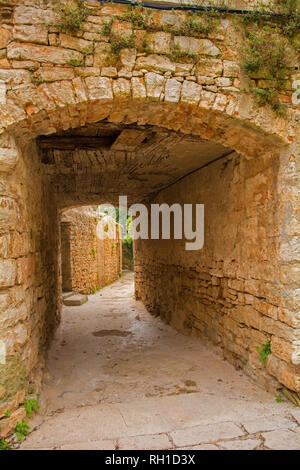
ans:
x=75 y=300
x=67 y=294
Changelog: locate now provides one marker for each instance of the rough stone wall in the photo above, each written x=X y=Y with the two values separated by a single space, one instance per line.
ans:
x=94 y=262
x=29 y=276
x=232 y=292
x=109 y=251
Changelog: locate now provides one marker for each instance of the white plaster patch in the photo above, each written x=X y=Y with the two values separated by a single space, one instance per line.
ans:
x=2 y=93
x=2 y=352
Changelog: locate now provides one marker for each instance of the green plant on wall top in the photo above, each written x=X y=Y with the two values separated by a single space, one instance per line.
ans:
x=72 y=15
x=290 y=25
x=264 y=56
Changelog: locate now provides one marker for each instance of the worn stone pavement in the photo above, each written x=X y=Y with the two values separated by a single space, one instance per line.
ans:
x=118 y=378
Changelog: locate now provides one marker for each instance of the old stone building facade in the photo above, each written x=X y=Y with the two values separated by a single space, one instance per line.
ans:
x=91 y=250
x=85 y=118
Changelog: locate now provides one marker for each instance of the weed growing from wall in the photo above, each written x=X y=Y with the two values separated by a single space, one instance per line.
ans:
x=264 y=351
x=72 y=15
x=265 y=57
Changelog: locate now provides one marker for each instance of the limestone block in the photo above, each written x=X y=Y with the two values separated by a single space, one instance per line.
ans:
x=121 y=28
x=282 y=349
x=78 y=44
x=75 y=300
x=127 y=58
x=52 y=74
x=159 y=42
x=207 y=99
x=99 y=88
x=154 y=85
x=55 y=55
x=12 y=404
x=8 y=159
x=88 y=71
x=102 y=51
x=25 y=64
x=7 y=426
x=291 y=378
x=190 y=92
x=220 y=102
x=8 y=213
x=8 y=273
x=172 y=91
x=31 y=33
x=4 y=37
x=205 y=80
x=196 y=46
x=79 y=90
x=223 y=81
x=155 y=62
x=29 y=15
x=4 y=64
x=138 y=88
x=15 y=77
x=277 y=328
x=109 y=72
x=231 y=69
x=2 y=93
x=210 y=68
x=183 y=68
x=290 y=274
x=124 y=72
x=121 y=88
x=61 y=92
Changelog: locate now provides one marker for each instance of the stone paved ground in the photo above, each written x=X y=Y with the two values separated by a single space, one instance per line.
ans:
x=121 y=379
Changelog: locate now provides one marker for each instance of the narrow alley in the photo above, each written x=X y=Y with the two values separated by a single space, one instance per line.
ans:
x=119 y=378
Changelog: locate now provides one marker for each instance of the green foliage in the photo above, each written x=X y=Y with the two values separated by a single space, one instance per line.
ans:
x=4 y=445
x=93 y=290
x=106 y=28
x=264 y=351
x=136 y=17
x=122 y=42
x=22 y=430
x=75 y=62
x=72 y=17
x=278 y=399
x=31 y=406
x=196 y=24
x=265 y=55
x=265 y=50
x=7 y=414
x=290 y=25
x=179 y=54
x=127 y=242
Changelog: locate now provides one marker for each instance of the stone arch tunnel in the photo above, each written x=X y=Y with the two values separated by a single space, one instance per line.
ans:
x=157 y=130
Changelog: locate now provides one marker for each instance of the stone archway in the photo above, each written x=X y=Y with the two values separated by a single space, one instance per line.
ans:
x=146 y=100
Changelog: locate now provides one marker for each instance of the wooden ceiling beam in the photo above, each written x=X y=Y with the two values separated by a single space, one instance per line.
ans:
x=73 y=142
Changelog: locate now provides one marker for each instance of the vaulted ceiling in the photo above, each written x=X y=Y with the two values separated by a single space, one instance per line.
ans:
x=99 y=162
